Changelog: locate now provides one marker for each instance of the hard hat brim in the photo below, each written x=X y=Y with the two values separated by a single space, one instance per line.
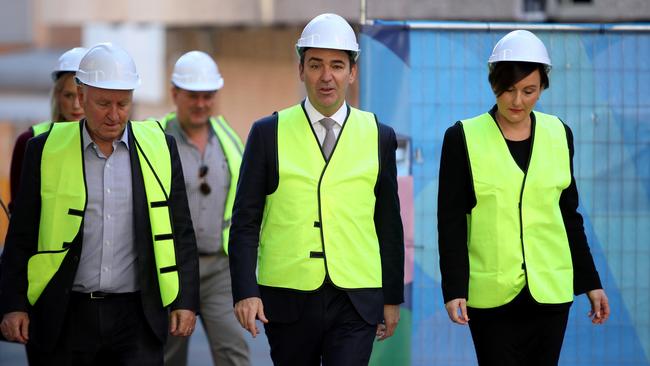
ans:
x=199 y=86
x=112 y=85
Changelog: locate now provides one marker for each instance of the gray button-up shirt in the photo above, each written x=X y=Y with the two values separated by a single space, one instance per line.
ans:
x=206 y=210
x=108 y=257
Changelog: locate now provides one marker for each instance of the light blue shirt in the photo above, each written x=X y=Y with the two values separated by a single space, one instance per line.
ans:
x=108 y=258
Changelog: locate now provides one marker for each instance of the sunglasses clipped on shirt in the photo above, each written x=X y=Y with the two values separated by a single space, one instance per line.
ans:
x=204 y=187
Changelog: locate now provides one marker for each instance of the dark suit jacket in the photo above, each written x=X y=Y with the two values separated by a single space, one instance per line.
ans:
x=48 y=314
x=259 y=178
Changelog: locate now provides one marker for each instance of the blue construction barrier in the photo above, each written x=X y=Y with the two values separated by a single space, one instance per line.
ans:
x=421 y=77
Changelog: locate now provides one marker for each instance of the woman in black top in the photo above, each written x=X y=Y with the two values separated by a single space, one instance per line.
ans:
x=517 y=315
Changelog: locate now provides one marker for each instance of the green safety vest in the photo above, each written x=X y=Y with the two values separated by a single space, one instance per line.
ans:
x=233 y=149
x=63 y=203
x=516 y=234
x=41 y=128
x=320 y=219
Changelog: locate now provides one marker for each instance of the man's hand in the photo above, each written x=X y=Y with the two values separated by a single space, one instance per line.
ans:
x=15 y=326
x=457 y=311
x=182 y=322
x=391 y=318
x=247 y=310
x=599 y=306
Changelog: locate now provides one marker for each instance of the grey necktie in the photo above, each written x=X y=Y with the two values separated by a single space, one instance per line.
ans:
x=330 y=138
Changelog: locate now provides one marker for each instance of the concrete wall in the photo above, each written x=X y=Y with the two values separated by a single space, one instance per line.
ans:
x=264 y=12
x=493 y=10
x=15 y=21
x=599 y=10
x=173 y=12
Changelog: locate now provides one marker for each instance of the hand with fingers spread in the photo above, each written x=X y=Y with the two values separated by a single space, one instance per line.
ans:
x=391 y=319
x=599 y=312
x=182 y=322
x=457 y=311
x=15 y=326
x=247 y=310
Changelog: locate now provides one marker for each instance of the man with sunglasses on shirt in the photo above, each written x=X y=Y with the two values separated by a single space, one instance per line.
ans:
x=211 y=154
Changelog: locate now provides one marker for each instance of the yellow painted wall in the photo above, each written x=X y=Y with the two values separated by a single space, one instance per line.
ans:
x=7 y=137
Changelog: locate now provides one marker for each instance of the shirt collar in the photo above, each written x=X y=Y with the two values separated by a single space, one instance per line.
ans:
x=87 y=140
x=315 y=116
x=174 y=127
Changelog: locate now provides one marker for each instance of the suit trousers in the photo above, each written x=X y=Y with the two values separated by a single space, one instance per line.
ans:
x=108 y=331
x=328 y=330
x=225 y=336
x=520 y=333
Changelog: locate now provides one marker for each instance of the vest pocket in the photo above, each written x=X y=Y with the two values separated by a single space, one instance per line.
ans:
x=41 y=267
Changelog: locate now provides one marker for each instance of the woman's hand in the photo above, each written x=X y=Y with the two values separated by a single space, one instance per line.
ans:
x=599 y=306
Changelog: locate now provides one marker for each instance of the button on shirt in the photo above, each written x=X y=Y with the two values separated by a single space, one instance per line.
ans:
x=315 y=116
x=108 y=258
x=206 y=210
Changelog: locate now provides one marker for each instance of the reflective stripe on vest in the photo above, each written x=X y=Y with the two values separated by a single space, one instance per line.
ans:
x=155 y=164
x=320 y=219
x=233 y=149
x=41 y=128
x=515 y=232
x=63 y=200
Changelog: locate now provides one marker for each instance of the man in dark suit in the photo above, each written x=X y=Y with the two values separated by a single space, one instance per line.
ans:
x=317 y=213
x=101 y=244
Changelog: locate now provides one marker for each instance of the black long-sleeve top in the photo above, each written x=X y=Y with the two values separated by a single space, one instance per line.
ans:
x=456 y=199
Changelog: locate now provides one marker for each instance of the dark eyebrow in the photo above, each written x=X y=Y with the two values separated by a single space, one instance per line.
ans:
x=315 y=59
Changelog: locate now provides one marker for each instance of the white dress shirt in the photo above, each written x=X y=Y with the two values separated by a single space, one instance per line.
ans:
x=315 y=117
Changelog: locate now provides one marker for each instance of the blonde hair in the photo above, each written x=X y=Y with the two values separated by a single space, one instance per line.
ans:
x=55 y=109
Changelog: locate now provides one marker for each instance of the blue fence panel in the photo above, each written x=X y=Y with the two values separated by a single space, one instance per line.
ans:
x=421 y=79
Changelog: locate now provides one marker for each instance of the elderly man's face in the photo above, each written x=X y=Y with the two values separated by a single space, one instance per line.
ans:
x=107 y=112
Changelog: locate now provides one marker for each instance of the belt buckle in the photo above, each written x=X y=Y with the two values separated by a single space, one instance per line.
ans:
x=95 y=296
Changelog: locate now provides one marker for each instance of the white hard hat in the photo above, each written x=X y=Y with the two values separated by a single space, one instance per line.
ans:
x=520 y=45
x=328 y=31
x=69 y=61
x=197 y=71
x=107 y=66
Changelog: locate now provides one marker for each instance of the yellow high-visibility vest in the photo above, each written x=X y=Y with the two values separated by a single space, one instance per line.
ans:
x=63 y=203
x=320 y=219
x=516 y=234
x=233 y=150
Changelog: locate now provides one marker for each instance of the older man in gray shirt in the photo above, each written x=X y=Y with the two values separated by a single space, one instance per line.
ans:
x=108 y=257
x=100 y=260
x=211 y=154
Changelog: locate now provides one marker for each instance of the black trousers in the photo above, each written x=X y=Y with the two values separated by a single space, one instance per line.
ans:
x=109 y=331
x=329 y=330
x=521 y=332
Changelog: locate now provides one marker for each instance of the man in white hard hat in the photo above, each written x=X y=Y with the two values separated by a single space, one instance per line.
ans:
x=211 y=153
x=318 y=193
x=100 y=259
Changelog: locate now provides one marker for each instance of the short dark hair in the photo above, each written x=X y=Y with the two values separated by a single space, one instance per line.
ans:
x=303 y=50
x=503 y=75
